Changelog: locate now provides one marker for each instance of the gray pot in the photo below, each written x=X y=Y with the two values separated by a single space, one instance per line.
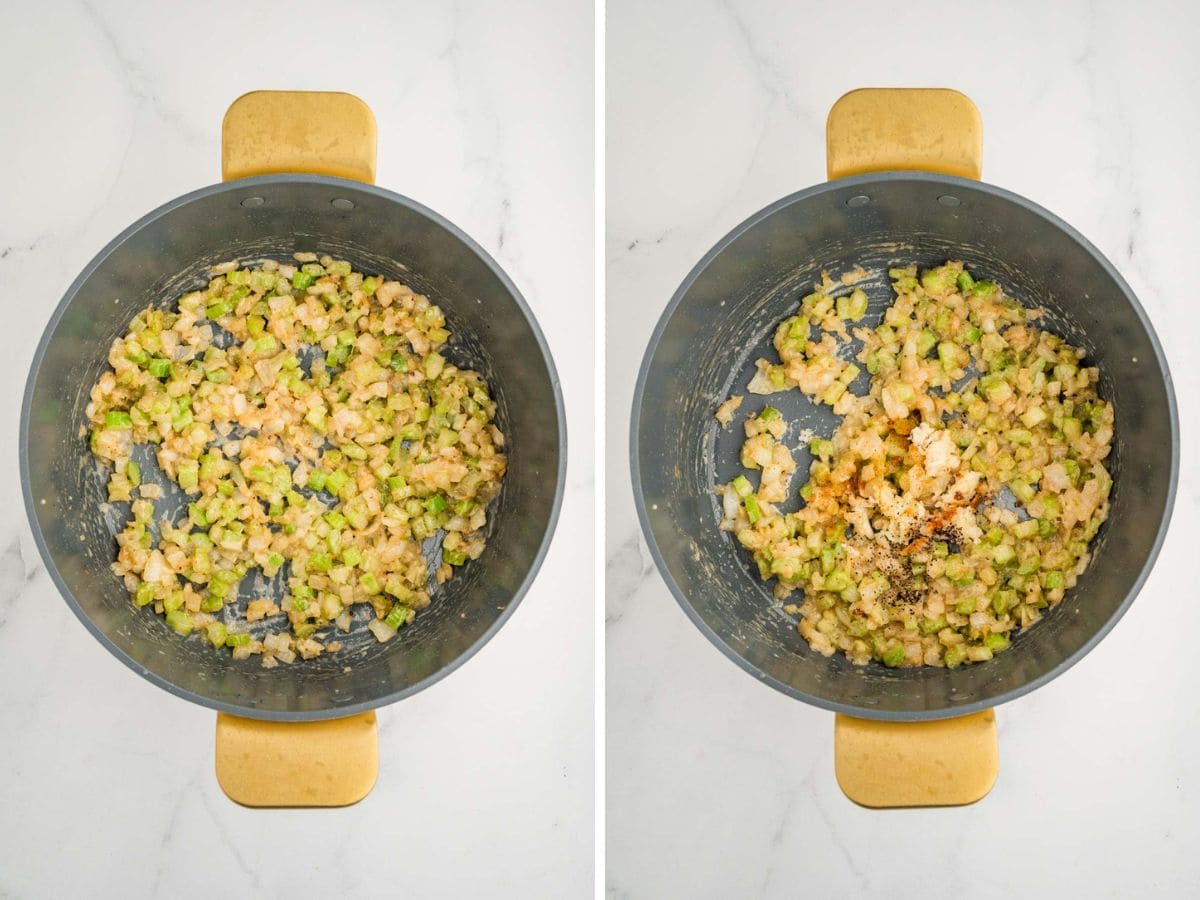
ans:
x=722 y=318
x=168 y=252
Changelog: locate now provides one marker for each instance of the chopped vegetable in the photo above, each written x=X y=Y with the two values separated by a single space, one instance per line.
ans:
x=326 y=475
x=909 y=548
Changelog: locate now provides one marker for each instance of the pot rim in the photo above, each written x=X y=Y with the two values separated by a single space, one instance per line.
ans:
x=855 y=181
x=246 y=185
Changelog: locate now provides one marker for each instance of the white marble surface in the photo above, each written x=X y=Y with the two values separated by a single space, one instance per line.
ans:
x=485 y=114
x=720 y=787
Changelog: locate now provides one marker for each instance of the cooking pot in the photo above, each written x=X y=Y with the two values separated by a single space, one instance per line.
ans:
x=902 y=189
x=298 y=167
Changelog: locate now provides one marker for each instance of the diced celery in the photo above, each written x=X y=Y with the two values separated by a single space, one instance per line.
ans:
x=1033 y=416
x=434 y=364
x=958 y=570
x=1025 y=529
x=752 y=511
x=837 y=580
x=932 y=626
x=926 y=341
x=144 y=594
x=939 y=280
x=180 y=621
x=117 y=419
x=398 y=615
x=337 y=481
x=188 y=475
x=996 y=642
x=357 y=514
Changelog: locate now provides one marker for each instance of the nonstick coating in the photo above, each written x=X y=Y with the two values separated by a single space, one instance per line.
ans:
x=168 y=252
x=723 y=317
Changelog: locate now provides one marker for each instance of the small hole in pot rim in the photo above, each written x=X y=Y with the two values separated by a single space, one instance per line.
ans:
x=250 y=202
x=949 y=200
x=342 y=204
x=858 y=200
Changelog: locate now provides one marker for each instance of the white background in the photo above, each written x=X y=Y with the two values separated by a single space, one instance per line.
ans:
x=485 y=114
x=717 y=785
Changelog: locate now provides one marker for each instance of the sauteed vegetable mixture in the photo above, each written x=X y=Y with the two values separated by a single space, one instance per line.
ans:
x=956 y=500
x=319 y=436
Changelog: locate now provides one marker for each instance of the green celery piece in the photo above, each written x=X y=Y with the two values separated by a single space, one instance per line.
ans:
x=180 y=622
x=996 y=642
x=397 y=616
x=752 y=511
x=216 y=633
x=211 y=604
x=144 y=594
x=741 y=486
x=337 y=481
x=837 y=581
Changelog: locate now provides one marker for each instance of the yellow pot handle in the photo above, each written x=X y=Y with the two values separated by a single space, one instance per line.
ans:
x=892 y=129
x=273 y=764
x=950 y=762
x=314 y=132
